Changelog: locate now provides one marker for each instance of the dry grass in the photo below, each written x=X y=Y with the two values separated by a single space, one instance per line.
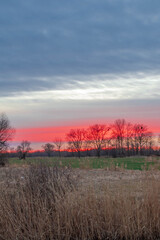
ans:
x=44 y=203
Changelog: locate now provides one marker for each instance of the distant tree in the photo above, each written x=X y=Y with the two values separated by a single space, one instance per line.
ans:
x=97 y=135
x=23 y=149
x=76 y=139
x=129 y=137
x=6 y=134
x=70 y=148
x=48 y=148
x=109 y=144
x=118 y=134
x=58 y=145
x=149 y=142
x=139 y=132
x=87 y=145
x=159 y=138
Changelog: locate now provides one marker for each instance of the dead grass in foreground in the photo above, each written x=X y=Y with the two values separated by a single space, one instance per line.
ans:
x=44 y=203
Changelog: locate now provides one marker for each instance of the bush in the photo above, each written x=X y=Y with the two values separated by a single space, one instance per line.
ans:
x=48 y=182
x=3 y=159
x=28 y=202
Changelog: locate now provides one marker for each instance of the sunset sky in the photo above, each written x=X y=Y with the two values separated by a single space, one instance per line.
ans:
x=71 y=63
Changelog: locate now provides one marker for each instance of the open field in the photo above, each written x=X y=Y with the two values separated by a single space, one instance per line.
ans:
x=41 y=202
x=131 y=163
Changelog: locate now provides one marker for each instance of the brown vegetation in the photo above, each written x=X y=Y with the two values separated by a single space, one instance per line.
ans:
x=42 y=202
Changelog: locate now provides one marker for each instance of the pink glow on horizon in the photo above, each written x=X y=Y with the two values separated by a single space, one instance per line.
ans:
x=48 y=134
x=43 y=134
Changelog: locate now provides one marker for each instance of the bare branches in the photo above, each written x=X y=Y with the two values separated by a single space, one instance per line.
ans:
x=75 y=139
x=23 y=149
x=58 y=143
x=48 y=148
x=122 y=137
x=97 y=135
x=6 y=132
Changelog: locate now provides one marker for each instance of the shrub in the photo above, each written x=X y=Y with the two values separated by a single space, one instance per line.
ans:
x=3 y=159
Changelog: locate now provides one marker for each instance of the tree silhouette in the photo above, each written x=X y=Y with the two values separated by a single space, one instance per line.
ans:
x=23 y=149
x=6 y=132
x=58 y=145
x=140 y=133
x=48 y=148
x=75 y=140
x=97 y=135
x=118 y=134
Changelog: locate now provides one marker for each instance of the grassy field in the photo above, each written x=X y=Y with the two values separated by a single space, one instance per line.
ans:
x=94 y=199
x=131 y=163
x=39 y=202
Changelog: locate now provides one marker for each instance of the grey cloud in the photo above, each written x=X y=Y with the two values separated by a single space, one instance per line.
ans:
x=60 y=113
x=122 y=86
x=68 y=38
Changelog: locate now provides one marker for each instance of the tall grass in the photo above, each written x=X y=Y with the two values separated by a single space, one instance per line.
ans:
x=46 y=203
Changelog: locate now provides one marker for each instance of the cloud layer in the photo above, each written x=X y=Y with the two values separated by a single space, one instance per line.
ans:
x=66 y=62
x=42 y=42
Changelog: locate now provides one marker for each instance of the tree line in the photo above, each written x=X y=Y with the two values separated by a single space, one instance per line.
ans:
x=121 y=138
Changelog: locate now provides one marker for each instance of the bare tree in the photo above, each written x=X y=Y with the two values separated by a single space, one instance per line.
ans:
x=48 y=148
x=128 y=136
x=149 y=142
x=75 y=140
x=87 y=145
x=58 y=144
x=158 y=140
x=23 y=149
x=6 y=132
x=118 y=133
x=139 y=132
x=97 y=135
x=70 y=148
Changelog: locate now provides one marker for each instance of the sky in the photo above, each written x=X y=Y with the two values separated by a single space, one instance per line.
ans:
x=68 y=64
